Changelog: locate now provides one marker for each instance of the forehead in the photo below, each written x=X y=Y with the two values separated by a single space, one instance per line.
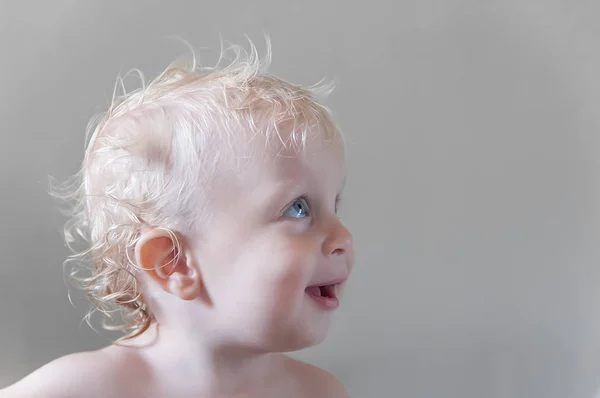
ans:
x=320 y=156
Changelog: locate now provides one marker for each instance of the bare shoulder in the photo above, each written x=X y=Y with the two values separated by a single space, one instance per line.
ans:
x=89 y=374
x=316 y=382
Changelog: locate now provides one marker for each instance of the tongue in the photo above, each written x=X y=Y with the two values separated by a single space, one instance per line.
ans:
x=313 y=291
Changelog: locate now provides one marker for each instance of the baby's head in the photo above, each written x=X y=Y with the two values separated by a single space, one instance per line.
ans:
x=208 y=200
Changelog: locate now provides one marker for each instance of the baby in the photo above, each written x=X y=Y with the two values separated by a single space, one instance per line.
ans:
x=208 y=201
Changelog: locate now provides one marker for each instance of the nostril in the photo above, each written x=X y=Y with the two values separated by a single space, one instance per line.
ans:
x=339 y=242
x=338 y=251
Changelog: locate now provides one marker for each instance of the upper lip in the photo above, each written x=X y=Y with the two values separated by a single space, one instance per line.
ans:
x=333 y=281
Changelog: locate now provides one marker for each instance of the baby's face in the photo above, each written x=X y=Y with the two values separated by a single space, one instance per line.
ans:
x=276 y=257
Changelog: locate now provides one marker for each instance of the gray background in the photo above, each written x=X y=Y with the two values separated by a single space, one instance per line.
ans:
x=472 y=177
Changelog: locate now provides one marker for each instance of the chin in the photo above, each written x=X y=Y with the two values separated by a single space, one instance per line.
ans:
x=301 y=338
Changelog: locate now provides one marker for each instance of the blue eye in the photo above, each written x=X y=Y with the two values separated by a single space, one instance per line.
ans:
x=298 y=209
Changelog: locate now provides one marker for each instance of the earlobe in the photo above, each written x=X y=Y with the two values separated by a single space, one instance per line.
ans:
x=160 y=254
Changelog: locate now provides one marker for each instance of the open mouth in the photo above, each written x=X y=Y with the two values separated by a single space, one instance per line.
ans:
x=324 y=295
x=327 y=291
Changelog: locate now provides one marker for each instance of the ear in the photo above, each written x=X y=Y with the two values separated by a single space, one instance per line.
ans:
x=161 y=256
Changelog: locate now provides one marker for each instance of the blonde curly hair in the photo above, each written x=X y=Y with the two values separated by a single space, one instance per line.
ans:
x=150 y=158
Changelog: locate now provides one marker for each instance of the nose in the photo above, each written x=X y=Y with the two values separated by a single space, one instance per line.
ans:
x=339 y=241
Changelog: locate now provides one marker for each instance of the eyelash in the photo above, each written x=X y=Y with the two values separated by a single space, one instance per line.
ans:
x=338 y=201
x=304 y=198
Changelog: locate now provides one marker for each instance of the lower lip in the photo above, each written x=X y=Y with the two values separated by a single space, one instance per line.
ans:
x=327 y=303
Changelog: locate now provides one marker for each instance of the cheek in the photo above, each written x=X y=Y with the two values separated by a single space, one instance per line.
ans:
x=280 y=268
x=287 y=264
x=267 y=271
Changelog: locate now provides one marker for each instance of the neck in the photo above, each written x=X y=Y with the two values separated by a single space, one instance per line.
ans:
x=186 y=360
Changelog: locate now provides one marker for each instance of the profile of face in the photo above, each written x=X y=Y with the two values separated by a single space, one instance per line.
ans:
x=276 y=258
